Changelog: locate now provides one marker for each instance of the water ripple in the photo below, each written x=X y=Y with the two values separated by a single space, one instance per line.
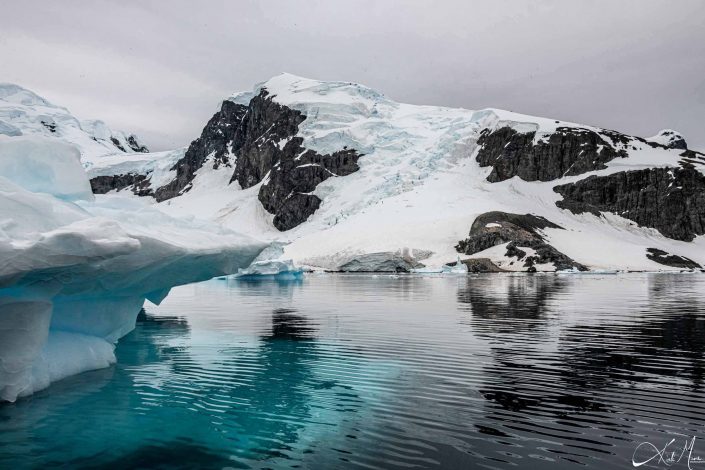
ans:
x=384 y=372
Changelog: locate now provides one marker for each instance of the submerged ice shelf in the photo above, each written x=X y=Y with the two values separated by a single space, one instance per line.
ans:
x=76 y=269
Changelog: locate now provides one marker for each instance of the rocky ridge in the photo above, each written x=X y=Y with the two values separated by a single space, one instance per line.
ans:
x=259 y=141
x=517 y=231
x=671 y=200
x=566 y=152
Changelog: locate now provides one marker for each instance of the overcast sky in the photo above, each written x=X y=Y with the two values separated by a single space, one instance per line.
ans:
x=161 y=68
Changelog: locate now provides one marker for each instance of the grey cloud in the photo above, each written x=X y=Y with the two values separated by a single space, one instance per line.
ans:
x=161 y=68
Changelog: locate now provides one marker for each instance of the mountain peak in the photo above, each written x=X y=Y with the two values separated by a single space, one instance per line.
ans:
x=14 y=93
x=670 y=138
x=23 y=112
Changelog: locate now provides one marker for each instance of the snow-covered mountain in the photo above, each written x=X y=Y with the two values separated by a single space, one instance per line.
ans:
x=351 y=180
x=23 y=112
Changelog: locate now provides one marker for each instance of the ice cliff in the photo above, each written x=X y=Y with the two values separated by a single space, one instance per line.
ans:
x=77 y=268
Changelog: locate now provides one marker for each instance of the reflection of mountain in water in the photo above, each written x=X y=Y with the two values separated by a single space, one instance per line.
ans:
x=286 y=325
x=509 y=304
x=666 y=339
x=657 y=341
x=180 y=454
x=216 y=404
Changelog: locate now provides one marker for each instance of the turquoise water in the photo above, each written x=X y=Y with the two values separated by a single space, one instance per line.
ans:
x=343 y=371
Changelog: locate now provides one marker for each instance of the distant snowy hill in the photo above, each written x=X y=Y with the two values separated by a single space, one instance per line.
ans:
x=22 y=112
x=351 y=180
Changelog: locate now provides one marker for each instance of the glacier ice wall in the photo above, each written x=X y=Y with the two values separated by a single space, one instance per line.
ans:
x=75 y=271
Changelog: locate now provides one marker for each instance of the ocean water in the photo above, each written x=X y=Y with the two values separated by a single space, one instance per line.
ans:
x=362 y=371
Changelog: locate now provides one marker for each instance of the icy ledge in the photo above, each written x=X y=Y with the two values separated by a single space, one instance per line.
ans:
x=75 y=271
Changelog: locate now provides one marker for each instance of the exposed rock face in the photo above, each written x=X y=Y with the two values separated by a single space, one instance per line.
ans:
x=257 y=142
x=667 y=259
x=117 y=144
x=135 y=145
x=691 y=158
x=138 y=183
x=568 y=151
x=287 y=191
x=215 y=139
x=267 y=146
x=671 y=200
x=670 y=139
x=519 y=231
x=260 y=140
x=480 y=265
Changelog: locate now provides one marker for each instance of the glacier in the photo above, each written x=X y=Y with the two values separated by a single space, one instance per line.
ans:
x=77 y=268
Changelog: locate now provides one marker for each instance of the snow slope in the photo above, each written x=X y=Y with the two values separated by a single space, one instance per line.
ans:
x=76 y=268
x=23 y=112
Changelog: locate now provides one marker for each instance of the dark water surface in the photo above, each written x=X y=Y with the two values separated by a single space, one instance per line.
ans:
x=387 y=372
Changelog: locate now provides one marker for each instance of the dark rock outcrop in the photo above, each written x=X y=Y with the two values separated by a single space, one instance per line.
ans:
x=135 y=145
x=50 y=125
x=215 y=138
x=117 y=144
x=518 y=231
x=691 y=158
x=293 y=171
x=261 y=139
x=566 y=152
x=671 y=200
x=139 y=184
x=480 y=265
x=286 y=193
x=673 y=139
x=667 y=259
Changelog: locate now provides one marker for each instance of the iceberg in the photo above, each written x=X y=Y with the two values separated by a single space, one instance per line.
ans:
x=47 y=166
x=76 y=269
x=278 y=269
x=575 y=270
x=270 y=265
x=457 y=268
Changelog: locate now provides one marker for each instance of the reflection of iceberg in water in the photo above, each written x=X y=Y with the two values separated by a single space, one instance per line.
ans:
x=228 y=401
